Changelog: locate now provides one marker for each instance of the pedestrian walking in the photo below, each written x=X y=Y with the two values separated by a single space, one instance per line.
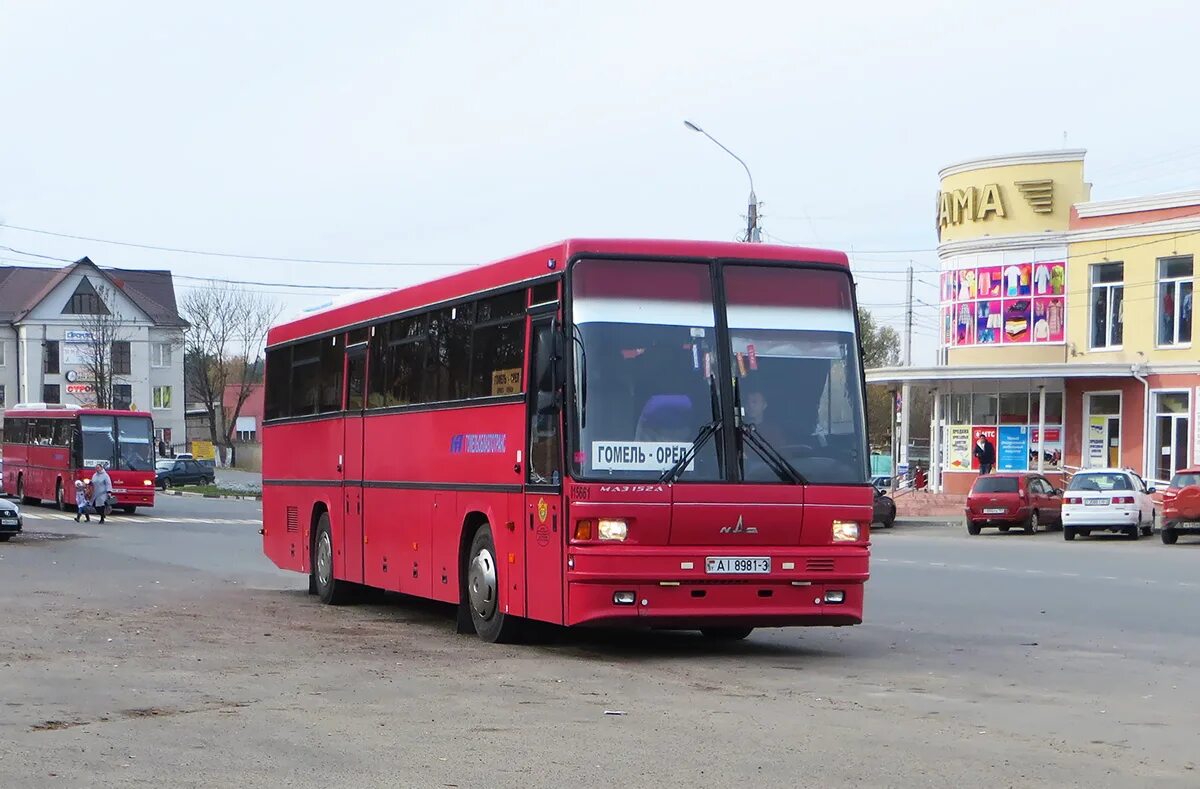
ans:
x=102 y=485
x=81 y=502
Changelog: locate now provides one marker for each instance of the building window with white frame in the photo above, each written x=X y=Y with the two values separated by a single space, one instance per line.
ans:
x=161 y=397
x=1175 y=301
x=1171 y=433
x=1108 y=304
x=3 y=345
x=160 y=354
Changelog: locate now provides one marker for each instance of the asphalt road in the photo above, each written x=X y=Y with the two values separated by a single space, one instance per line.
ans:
x=163 y=648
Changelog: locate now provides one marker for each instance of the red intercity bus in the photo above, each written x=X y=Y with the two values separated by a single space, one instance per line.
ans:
x=47 y=447
x=629 y=433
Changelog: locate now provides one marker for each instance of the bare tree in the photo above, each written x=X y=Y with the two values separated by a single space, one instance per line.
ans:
x=105 y=327
x=225 y=344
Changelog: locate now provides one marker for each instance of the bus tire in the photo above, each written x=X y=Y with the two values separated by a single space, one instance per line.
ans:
x=483 y=591
x=21 y=492
x=726 y=633
x=129 y=510
x=330 y=590
x=60 y=499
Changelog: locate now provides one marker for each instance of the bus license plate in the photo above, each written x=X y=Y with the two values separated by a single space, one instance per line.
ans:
x=1096 y=502
x=737 y=565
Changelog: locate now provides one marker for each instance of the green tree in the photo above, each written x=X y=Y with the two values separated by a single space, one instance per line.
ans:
x=881 y=348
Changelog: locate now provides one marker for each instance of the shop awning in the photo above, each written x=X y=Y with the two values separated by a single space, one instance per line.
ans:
x=1034 y=373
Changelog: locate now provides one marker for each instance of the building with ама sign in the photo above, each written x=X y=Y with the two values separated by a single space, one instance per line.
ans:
x=1066 y=324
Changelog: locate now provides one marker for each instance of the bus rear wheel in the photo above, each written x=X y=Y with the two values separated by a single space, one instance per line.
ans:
x=330 y=590
x=483 y=591
x=60 y=499
x=21 y=492
x=726 y=633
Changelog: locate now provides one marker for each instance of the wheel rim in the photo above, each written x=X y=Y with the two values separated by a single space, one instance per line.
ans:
x=166 y=484
x=324 y=560
x=481 y=584
x=1033 y=522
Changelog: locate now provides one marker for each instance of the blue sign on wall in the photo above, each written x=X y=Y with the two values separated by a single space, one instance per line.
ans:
x=1013 y=452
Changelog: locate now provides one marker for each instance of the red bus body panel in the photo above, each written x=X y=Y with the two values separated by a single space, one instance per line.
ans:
x=400 y=513
x=42 y=468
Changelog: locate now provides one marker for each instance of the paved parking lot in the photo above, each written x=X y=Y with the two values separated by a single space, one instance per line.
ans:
x=163 y=644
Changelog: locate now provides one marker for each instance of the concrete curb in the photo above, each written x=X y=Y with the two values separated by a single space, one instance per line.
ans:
x=255 y=497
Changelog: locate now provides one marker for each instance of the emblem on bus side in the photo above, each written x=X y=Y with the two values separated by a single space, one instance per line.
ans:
x=739 y=528
x=542 y=510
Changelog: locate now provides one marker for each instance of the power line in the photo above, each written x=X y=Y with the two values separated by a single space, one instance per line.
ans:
x=208 y=253
x=301 y=286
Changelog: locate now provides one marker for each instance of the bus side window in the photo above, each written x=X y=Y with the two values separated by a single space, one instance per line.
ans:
x=545 y=462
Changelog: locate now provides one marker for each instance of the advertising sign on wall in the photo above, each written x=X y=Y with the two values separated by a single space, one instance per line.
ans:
x=1018 y=303
x=958 y=454
x=1013 y=454
x=988 y=434
x=1097 y=451
x=1052 y=449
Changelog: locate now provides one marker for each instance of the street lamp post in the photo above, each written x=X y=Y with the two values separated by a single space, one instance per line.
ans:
x=753 y=231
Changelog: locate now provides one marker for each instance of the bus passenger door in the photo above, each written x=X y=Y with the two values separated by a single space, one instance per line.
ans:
x=544 y=526
x=352 y=463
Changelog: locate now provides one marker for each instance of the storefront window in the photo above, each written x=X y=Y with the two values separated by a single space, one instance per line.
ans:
x=1175 y=301
x=958 y=409
x=1108 y=297
x=1171 y=432
x=1054 y=408
x=983 y=409
x=1014 y=408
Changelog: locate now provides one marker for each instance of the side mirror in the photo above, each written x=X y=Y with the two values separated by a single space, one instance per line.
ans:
x=1151 y=490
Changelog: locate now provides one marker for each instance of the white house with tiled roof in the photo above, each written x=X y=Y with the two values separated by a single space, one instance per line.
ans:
x=43 y=314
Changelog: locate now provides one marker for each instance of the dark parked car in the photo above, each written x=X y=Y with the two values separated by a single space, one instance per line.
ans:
x=10 y=520
x=885 y=510
x=175 y=472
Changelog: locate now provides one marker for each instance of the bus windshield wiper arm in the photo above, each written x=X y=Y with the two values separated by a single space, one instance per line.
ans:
x=702 y=437
x=774 y=458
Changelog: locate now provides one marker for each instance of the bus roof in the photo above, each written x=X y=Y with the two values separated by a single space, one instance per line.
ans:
x=67 y=410
x=528 y=266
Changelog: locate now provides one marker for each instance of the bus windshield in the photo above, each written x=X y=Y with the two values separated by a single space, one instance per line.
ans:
x=645 y=367
x=794 y=354
x=124 y=443
x=648 y=372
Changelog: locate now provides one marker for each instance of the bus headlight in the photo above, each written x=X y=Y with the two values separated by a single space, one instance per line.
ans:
x=845 y=531
x=147 y=482
x=614 y=529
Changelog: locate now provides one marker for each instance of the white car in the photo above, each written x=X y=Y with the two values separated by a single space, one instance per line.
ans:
x=1111 y=499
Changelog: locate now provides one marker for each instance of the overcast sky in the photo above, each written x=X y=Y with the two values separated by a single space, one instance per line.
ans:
x=409 y=132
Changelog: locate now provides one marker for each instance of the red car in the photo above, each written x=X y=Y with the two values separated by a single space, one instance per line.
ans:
x=1019 y=499
x=1181 y=506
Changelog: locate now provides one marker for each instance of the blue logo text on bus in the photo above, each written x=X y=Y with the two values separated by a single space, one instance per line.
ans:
x=477 y=443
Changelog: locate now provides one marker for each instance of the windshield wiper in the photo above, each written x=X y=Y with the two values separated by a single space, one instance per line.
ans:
x=772 y=456
x=706 y=432
x=702 y=437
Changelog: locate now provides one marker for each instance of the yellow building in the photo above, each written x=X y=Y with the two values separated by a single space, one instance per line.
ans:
x=1066 y=324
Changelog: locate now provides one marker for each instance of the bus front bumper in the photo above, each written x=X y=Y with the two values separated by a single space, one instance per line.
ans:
x=669 y=587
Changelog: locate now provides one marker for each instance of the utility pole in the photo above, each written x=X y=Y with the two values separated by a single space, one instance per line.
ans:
x=752 y=219
x=906 y=389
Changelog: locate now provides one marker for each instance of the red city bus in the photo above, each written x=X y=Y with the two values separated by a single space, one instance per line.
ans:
x=629 y=433
x=47 y=447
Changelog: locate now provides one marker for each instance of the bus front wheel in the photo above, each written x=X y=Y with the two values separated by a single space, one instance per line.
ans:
x=330 y=590
x=60 y=499
x=21 y=492
x=483 y=591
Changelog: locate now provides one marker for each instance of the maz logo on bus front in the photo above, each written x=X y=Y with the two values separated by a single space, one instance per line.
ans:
x=632 y=488
x=739 y=528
